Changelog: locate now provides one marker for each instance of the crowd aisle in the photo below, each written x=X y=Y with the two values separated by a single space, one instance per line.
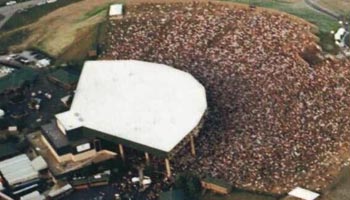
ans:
x=274 y=121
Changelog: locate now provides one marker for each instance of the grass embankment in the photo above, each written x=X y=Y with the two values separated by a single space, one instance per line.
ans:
x=68 y=32
x=299 y=8
x=14 y=38
x=34 y=14
x=90 y=38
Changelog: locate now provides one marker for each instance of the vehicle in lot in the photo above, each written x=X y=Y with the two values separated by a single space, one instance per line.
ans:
x=23 y=60
x=146 y=180
x=11 y=57
x=10 y=3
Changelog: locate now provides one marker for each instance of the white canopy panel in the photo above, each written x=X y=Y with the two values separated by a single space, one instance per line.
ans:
x=146 y=103
x=303 y=194
x=116 y=9
x=18 y=169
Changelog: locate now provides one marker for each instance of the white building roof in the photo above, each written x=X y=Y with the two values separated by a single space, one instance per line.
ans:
x=39 y=163
x=339 y=34
x=33 y=196
x=18 y=169
x=303 y=194
x=146 y=103
x=116 y=9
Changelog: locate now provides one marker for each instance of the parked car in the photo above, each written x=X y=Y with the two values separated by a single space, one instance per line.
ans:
x=10 y=3
x=146 y=180
x=11 y=57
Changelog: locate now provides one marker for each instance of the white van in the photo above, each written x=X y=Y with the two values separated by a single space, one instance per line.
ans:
x=10 y=3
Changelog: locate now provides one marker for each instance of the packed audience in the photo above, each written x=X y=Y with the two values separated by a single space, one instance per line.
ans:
x=274 y=121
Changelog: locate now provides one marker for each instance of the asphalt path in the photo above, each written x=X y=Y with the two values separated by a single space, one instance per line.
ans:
x=9 y=11
x=321 y=9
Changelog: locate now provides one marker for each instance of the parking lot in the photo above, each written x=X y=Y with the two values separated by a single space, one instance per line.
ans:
x=30 y=58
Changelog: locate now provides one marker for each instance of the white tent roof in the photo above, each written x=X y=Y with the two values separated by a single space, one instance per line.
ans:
x=146 y=103
x=33 y=196
x=18 y=169
x=39 y=163
x=303 y=194
x=116 y=9
x=338 y=35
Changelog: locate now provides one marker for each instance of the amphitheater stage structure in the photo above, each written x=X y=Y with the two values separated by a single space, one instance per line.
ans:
x=150 y=107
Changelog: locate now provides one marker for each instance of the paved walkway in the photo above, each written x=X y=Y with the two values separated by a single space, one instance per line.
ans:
x=321 y=9
x=9 y=11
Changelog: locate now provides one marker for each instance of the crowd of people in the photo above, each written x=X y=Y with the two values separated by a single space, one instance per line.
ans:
x=274 y=120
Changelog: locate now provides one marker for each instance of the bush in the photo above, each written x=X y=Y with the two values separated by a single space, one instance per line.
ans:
x=190 y=183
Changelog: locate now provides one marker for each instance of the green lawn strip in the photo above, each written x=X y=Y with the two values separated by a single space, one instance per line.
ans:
x=14 y=38
x=94 y=12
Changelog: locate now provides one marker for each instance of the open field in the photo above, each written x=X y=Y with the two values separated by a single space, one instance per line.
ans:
x=339 y=6
x=66 y=27
x=54 y=35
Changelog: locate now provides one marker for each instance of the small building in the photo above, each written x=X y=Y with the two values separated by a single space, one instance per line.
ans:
x=341 y=37
x=35 y=195
x=64 y=150
x=20 y=175
x=63 y=78
x=43 y=63
x=60 y=192
x=303 y=194
x=116 y=11
x=216 y=185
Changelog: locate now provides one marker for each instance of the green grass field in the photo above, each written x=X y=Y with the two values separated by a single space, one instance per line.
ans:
x=12 y=39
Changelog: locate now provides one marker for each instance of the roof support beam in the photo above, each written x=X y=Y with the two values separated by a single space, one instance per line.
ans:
x=193 y=149
x=121 y=151
x=167 y=167
x=147 y=158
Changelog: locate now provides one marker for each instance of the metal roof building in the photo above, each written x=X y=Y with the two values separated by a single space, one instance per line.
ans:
x=18 y=169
